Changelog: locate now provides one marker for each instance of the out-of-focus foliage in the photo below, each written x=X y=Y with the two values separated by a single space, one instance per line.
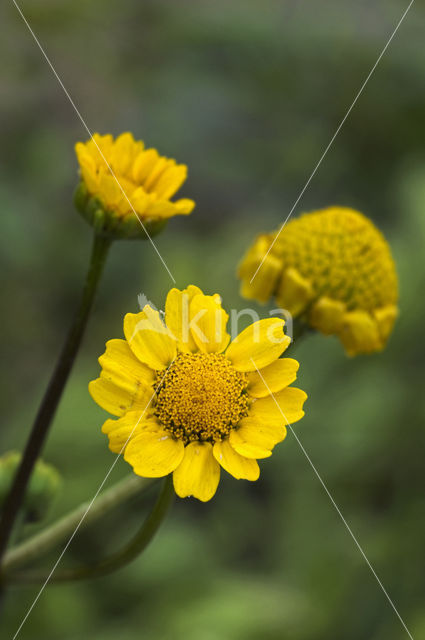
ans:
x=248 y=94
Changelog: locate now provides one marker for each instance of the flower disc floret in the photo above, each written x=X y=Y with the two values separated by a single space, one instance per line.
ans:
x=201 y=397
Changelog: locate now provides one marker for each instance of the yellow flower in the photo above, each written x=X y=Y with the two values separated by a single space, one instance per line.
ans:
x=120 y=177
x=188 y=402
x=334 y=269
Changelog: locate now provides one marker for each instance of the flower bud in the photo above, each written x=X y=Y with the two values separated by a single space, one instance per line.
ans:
x=125 y=190
x=42 y=489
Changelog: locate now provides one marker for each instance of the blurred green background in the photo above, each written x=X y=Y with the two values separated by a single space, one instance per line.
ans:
x=248 y=94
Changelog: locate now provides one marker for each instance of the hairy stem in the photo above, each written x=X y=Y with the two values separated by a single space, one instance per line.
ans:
x=53 y=393
x=118 y=559
x=42 y=542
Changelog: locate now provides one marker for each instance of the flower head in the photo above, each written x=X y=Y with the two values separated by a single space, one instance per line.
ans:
x=188 y=402
x=334 y=269
x=123 y=183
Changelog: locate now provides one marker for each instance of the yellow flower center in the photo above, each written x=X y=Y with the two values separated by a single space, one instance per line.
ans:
x=201 y=397
x=343 y=255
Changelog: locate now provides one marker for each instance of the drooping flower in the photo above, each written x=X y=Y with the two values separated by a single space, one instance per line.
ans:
x=334 y=269
x=123 y=184
x=188 y=402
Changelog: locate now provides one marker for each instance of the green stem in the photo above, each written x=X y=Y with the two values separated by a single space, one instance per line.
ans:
x=117 y=560
x=20 y=522
x=86 y=513
x=53 y=393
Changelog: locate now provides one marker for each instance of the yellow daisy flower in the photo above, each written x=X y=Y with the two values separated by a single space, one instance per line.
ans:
x=334 y=269
x=120 y=177
x=187 y=401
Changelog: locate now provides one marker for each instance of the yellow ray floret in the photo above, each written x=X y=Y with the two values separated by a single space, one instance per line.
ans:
x=126 y=179
x=334 y=269
x=189 y=401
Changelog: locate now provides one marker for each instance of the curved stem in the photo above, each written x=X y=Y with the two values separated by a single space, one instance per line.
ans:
x=38 y=544
x=117 y=560
x=53 y=393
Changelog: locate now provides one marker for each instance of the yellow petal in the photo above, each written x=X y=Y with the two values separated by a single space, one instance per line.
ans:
x=170 y=181
x=145 y=422
x=255 y=439
x=129 y=426
x=161 y=209
x=110 y=190
x=140 y=200
x=294 y=292
x=208 y=323
x=120 y=399
x=89 y=176
x=385 y=317
x=287 y=410
x=258 y=345
x=121 y=366
x=124 y=383
x=84 y=158
x=144 y=164
x=359 y=333
x=159 y=168
x=198 y=474
x=154 y=454
x=100 y=148
x=122 y=153
x=166 y=209
x=274 y=377
x=238 y=466
x=149 y=339
x=184 y=206
x=259 y=282
x=326 y=315
x=177 y=316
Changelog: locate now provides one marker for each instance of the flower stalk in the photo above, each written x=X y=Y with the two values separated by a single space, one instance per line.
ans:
x=49 y=404
x=85 y=514
x=117 y=560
